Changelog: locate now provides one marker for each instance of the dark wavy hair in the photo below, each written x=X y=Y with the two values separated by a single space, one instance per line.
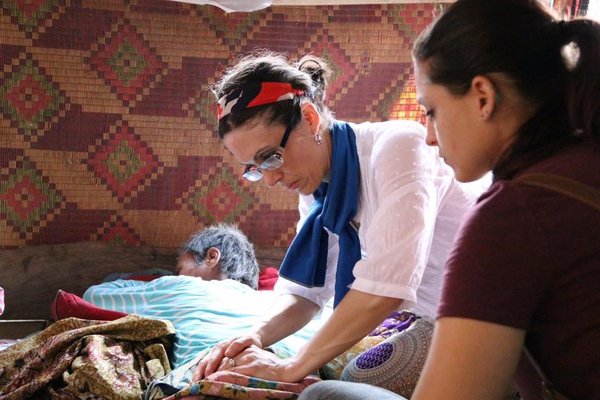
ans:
x=310 y=75
x=524 y=41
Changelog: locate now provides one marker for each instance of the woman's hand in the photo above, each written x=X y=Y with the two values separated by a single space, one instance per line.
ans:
x=259 y=363
x=219 y=356
x=288 y=314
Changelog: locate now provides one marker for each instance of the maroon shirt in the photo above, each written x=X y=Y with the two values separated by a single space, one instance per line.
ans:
x=529 y=258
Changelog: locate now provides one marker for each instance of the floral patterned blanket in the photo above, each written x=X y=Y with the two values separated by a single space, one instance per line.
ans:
x=76 y=358
x=228 y=385
x=231 y=385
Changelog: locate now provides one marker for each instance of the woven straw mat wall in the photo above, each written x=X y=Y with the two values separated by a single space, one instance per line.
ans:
x=107 y=126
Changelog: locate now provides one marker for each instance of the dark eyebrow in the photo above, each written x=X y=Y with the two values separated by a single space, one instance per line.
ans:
x=257 y=154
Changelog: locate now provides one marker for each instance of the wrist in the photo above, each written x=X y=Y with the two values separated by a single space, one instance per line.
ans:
x=297 y=368
x=256 y=338
x=293 y=372
x=262 y=334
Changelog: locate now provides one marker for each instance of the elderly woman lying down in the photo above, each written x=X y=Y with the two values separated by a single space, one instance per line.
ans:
x=202 y=312
x=212 y=297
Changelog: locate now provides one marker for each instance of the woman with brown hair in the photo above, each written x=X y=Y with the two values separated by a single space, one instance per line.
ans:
x=378 y=212
x=510 y=89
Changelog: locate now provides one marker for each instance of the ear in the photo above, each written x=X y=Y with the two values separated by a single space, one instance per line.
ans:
x=312 y=116
x=213 y=255
x=486 y=94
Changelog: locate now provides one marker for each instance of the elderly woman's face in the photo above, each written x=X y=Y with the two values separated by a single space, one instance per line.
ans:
x=304 y=161
x=187 y=265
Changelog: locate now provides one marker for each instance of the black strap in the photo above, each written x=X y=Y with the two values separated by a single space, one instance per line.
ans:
x=578 y=191
x=549 y=392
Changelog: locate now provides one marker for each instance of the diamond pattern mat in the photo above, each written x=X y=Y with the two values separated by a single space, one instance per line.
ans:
x=107 y=126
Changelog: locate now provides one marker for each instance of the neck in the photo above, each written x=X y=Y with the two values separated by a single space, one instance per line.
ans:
x=327 y=151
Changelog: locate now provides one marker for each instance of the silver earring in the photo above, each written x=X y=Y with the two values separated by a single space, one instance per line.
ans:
x=318 y=138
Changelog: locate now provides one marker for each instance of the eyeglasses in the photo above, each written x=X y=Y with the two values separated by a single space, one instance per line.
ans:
x=272 y=161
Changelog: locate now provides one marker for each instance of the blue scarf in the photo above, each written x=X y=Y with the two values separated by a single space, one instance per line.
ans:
x=334 y=207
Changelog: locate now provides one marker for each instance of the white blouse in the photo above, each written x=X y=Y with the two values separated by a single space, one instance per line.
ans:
x=410 y=207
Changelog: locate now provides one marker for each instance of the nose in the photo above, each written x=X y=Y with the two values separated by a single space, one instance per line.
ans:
x=272 y=177
x=431 y=138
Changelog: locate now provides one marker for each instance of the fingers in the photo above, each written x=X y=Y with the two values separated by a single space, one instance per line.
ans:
x=239 y=345
x=219 y=355
x=256 y=362
x=225 y=364
x=237 y=364
x=231 y=363
x=210 y=363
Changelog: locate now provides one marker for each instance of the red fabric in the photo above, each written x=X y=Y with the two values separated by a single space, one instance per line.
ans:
x=67 y=305
x=1 y=300
x=267 y=278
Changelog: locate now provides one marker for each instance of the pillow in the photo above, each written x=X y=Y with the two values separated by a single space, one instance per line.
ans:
x=333 y=369
x=267 y=278
x=67 y=305
x=1 y=300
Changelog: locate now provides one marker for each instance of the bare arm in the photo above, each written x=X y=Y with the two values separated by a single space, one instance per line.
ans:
x=470 y=359
x=355 y=317
x=288 y=314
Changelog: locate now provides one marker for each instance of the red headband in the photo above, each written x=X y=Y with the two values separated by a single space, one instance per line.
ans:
x=253 y=95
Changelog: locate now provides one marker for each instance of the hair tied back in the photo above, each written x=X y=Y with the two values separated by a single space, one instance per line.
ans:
x=569 y=49
x=570 y=54
x=319 y=73
x=308 y=60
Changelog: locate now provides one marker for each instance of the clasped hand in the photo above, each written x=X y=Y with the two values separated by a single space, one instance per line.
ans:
x=243 y=355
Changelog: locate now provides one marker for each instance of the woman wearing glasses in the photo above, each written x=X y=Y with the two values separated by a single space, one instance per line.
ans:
x=378 y=209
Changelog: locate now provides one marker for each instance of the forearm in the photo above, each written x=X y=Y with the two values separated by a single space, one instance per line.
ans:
x=288 y=314
x=470 y=359
x=355 y=317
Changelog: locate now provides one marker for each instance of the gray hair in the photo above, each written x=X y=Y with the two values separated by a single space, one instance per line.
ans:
x=237 y=261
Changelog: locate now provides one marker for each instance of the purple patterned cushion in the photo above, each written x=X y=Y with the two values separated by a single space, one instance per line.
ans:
x=375 y=356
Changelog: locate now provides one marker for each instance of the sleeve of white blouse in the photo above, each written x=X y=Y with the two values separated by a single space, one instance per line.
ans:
x=399 y=235
x=318 y=295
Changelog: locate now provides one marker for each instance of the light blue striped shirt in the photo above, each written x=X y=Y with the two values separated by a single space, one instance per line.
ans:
x=202 y=312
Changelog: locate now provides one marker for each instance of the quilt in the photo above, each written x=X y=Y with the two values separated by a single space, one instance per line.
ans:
x=75 y=359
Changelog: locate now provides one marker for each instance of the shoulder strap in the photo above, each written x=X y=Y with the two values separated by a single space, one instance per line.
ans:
x=549 y=392
x=578 y=191
x=566 y=186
